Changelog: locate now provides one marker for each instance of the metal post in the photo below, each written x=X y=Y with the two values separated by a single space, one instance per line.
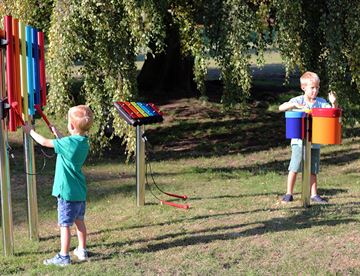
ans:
x=6 y=210
x=6 y=214
x=31 y=187
x=140 y=166
x=306 y=170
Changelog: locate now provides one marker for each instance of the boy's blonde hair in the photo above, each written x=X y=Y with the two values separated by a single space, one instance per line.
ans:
x=81 y=117
x=308 y=77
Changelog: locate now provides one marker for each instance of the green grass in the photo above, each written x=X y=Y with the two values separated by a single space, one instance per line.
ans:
x=233 y=168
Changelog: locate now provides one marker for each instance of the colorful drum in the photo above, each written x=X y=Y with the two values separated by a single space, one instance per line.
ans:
x=295 y=124
x=326 y=126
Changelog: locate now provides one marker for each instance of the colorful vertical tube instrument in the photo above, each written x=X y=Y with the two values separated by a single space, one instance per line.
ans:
x=10 y=71
x=36 y=76
x=17 y=86
x=5 y=187
x=29 y=66
x=23 y=71
x=33 y=91
x=42 y=68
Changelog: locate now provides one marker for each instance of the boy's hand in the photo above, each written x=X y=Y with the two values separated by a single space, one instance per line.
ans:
x=332 y=98
x=289 y=105
x=56 y=132
x=298 y=106
x=27 y=128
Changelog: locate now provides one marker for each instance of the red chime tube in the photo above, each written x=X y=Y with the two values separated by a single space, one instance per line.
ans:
x=42 y=69
x=10 y=71
x=17 y=86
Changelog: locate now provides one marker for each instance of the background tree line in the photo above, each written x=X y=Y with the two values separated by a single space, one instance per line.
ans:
x=179 y=37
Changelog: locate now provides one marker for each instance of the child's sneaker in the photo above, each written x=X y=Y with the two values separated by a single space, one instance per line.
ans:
x=318 y=199
x=81 y=254
x=58 y=260
x=287 y=198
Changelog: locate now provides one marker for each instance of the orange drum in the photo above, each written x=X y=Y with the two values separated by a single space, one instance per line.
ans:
x=326 y=126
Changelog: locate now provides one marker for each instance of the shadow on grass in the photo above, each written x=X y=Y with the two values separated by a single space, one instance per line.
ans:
x=98 y=192
x=217 y=138
x=305 y=218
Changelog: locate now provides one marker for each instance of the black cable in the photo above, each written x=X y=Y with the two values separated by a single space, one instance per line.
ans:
x=147 y=182
x=149 y=164
x=44 y=154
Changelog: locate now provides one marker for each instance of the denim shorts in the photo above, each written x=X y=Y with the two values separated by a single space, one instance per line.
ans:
x=69 y=211
x=296 y=159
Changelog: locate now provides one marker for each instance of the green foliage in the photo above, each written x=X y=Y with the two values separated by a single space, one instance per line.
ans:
x=234 y=27
x=33 y=12
x=20 y=9
x=105 y=37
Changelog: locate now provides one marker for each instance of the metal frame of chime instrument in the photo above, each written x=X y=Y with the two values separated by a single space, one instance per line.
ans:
x=138 y=114
x=22 y=85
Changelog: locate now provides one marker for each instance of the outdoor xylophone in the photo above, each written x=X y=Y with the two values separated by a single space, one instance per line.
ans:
x=138 y=114
x=22 y=86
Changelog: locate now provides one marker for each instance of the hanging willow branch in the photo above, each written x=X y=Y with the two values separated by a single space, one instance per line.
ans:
x=106 y=36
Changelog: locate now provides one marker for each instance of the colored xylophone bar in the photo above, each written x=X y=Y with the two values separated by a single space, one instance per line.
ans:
x=25 y=69
x=138 y=113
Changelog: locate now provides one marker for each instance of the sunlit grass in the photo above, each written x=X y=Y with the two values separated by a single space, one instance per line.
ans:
x=234 y=172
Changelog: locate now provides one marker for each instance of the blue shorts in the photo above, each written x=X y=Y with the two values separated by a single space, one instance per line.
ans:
x=296 y=160
x=69 y=211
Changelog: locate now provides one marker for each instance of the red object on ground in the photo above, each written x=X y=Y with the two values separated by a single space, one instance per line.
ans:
x=178 y=196
x=182 y=206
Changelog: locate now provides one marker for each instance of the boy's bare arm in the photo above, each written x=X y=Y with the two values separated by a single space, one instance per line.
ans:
x=37 y=137
x=332 y=99
x=289 y=105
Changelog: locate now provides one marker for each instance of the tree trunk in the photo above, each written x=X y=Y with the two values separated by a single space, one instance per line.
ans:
x=167 y=74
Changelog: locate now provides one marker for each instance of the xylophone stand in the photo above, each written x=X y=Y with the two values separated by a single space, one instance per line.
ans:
x=140 y=166
x=306 y=158
x=31 y=186
x=6 y=210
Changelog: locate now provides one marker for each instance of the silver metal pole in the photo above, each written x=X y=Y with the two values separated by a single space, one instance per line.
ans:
x=7 y=220
x=306 y=170
x=140 y=166
x=33 y=220
x=6 y=209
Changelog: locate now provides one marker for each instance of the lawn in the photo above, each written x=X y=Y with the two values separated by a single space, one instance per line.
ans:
x=232 y=165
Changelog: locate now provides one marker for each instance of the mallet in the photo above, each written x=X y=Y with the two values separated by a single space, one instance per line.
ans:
x=182 y=206
x=38 y=109
x=14 y=107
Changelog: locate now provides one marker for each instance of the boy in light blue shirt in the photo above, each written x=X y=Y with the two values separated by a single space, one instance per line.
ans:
x=69 y=184
x=310 y=84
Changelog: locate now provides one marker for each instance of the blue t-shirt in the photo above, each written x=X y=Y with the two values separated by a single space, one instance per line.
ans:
x=319 y=103
x=69 y=182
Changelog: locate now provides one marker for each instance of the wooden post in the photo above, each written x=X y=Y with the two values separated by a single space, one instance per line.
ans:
x=306 y=169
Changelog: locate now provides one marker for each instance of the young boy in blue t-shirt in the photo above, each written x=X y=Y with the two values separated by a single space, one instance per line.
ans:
x=310 y=84
x=69 y=184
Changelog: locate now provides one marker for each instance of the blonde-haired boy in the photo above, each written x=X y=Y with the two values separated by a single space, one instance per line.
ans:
x=310 y=84
x=69 y=184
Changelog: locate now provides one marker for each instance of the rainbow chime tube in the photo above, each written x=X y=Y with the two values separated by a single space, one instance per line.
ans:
x=25 y=70
x=138 y=113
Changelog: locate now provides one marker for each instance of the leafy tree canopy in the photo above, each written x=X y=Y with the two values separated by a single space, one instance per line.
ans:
x=107 y=35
